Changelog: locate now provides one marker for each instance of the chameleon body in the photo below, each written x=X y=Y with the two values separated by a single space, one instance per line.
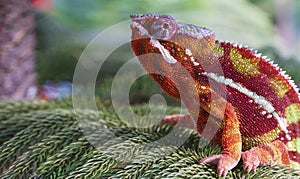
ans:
x=235 y=97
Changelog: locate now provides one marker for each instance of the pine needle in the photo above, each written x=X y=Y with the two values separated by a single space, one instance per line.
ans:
x=47 y=139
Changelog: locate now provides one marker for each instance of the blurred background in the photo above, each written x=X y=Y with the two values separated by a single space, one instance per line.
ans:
x=42 y=40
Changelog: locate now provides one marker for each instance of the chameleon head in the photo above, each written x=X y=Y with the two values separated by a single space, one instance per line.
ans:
x=178 y=43
x=172 y=52
x=160 y=27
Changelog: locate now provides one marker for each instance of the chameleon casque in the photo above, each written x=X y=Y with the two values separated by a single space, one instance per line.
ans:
x=250 y=105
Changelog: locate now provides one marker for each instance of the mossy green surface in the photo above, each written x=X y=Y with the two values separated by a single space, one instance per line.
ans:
x=42 y=140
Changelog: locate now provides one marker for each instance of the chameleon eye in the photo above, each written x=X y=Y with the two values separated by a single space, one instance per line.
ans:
x=163 y=29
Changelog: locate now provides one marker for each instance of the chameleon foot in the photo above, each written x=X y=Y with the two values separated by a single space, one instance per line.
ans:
x=224 y=162
x=272 y=153
x=250 y=161
x=183 y=120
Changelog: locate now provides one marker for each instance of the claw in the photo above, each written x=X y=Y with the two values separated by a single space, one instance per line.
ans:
x=250 y=161
x=224 y=161
x=212 y=160
x=249 y=168
x=183 y=120
x=172 y=119
x=222 y=172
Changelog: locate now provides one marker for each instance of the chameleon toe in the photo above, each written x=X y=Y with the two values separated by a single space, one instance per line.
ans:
x=212 y=160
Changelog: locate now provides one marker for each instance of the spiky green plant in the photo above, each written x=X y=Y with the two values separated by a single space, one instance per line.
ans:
x=43 y=140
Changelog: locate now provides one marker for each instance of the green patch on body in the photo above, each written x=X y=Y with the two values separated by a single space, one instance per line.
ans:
x=245 y=66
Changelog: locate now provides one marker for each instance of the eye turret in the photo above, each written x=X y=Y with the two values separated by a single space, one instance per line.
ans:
x=163 y=29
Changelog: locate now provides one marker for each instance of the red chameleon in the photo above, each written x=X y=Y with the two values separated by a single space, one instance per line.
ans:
x=235 y=97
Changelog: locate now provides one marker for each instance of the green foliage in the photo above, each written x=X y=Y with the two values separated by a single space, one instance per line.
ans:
x=63 y=34
x=56 y=64
x=56 y=50
x=43 y=139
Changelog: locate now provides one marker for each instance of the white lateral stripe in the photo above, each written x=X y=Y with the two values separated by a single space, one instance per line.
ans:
x=257 y=98
x=260 y=100
x=188 y=52
x=165 y=53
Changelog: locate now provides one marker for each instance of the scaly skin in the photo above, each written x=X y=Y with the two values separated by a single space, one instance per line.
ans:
x=235 y=97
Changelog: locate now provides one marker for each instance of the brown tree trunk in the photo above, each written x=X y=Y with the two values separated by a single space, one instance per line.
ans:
x=17 y=46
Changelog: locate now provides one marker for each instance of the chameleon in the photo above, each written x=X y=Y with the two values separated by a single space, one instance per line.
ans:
x=235 y=97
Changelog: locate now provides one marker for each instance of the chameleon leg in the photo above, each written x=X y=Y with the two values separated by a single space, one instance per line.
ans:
x=231 y=143
x=184 y=120
x=272 y=153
